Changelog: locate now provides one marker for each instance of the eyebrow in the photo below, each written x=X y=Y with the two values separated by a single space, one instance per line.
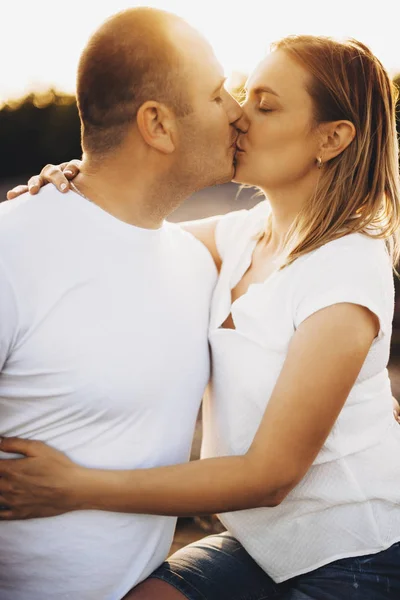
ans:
x=261 y=89
x=219 y=86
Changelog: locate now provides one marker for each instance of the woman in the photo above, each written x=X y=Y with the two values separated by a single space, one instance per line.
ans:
x=298 y=424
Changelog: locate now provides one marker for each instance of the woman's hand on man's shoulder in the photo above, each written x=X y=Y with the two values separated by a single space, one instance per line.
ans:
x=58 y=175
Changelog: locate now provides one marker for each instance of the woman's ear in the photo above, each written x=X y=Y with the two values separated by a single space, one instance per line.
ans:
x=157 y=125
x=336 y=136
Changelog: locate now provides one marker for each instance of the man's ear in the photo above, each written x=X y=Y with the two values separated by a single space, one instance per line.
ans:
x=336 y=137
x=157 y=126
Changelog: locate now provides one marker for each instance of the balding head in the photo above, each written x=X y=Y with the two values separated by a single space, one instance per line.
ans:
x=131 y=59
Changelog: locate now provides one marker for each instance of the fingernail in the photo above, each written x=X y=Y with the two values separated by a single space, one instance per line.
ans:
x=63 y=186
x=68 y=172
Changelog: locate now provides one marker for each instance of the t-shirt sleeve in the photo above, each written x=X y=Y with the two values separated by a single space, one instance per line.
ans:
x=8 y=316
x=227 y=229
x=353 y=273
x=236 y=228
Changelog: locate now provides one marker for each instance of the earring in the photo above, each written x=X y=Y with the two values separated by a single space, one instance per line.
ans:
x=319 y=163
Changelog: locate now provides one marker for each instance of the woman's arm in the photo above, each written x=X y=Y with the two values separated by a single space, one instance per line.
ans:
x=58 y=175
x=324 y=359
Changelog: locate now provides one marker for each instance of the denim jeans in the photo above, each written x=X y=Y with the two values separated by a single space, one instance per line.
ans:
x=219 y=568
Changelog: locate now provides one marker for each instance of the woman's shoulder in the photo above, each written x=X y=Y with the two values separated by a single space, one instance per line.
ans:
x=243 y=219
x=240 y=225
x=354 y=240
x=352 y=269
x=352 y=262
x=349 y=249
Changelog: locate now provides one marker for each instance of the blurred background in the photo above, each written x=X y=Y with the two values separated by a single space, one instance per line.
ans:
x=40 y=43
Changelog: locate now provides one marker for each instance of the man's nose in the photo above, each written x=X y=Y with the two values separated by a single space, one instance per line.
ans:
x=238 y=117
x=242 y=122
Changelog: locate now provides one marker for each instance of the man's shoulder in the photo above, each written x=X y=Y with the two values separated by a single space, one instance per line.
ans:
x=33 y=227
x=10 y=210
x=32 y=219
x=20 y=212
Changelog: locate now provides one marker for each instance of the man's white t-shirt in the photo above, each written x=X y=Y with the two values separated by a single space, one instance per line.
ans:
x=348 y=503
x=104 y=356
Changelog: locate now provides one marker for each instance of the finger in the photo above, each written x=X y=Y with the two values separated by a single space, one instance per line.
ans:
x=4 y=503
x=5 y=491
x=72 y=168
x=9 y=473
x=34 y=184
x=53 y=174
x=13 y=514
x=7 y=515
x=16 y=191
x=20 y=446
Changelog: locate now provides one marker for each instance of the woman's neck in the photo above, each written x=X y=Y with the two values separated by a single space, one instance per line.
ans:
x=286 y=204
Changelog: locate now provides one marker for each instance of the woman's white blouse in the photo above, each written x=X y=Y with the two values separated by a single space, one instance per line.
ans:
x=348 y=504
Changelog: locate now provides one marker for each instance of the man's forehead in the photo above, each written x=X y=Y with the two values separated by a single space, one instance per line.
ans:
x=203 y=71
x=187 y=39
x=194 y=47
x=206 y=70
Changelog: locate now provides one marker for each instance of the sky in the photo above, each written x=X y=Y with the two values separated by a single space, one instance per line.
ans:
x=41 y=40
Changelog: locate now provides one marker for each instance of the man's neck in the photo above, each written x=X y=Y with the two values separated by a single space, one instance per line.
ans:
x=137 y=198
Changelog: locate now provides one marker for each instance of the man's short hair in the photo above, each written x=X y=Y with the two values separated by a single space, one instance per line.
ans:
x=131 y=59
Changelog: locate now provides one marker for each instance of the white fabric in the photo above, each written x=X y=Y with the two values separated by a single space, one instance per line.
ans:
x=348 y=503
x=104 y=355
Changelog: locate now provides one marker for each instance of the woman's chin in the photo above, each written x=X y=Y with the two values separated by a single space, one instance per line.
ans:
x=241 y=175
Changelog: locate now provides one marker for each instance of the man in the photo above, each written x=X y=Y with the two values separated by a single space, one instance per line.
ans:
x=104 y=306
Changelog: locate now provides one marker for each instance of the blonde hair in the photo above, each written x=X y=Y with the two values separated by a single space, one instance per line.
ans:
x=359 y=190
